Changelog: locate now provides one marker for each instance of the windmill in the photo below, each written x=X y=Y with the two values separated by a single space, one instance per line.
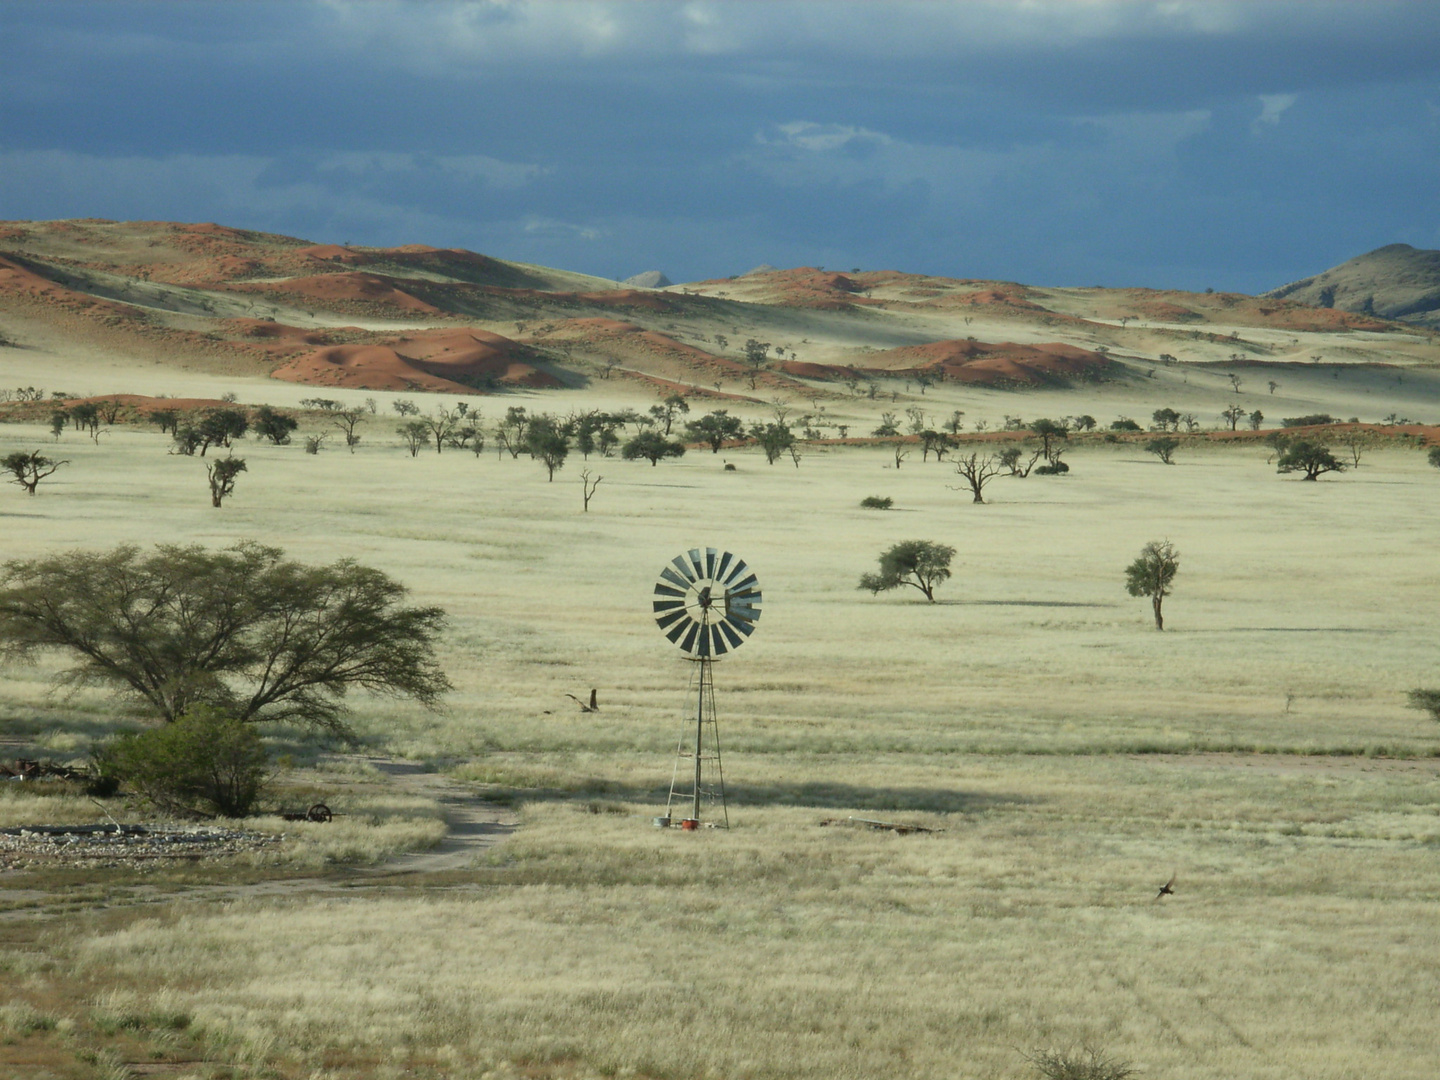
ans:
x=707 y=604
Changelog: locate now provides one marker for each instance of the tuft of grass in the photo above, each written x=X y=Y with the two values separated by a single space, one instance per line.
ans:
x=877 y=502
x=1087 y=1063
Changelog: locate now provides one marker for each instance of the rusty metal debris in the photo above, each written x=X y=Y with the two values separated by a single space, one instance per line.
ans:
x=887 y=826
x=30 y=769
x=319 y=812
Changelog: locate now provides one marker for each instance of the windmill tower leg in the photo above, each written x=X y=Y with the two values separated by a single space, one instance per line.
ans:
x=705 y=677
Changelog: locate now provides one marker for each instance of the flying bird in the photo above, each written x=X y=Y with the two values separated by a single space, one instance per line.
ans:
x=592 y=707
x=1166 y=889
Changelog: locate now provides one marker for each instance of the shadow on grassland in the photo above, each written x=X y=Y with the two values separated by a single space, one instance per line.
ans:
x=817 y=794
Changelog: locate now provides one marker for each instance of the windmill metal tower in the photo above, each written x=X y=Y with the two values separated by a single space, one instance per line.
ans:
x=707 y=604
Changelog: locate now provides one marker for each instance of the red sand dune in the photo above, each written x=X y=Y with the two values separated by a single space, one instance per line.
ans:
x=454 y=361
x=352 y=287
x=977 y=362
x=274 y=336
x=333 y=253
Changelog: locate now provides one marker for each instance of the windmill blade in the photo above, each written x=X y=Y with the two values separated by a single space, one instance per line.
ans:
x=710 y=554
x=702 y=643
x=682 y=624
x=661 y=589
x=717 y=641
x=666 y=620
x=724 y=564
x=680 y=564
x=658 y=606
x=690 y=635
x=751 y=582
x=735 y=639
x=744 y=628
x=696 y=564
x=738 y=569
x=675 y=579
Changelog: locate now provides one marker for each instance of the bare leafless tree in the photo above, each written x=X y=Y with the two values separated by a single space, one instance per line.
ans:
x=977 y=472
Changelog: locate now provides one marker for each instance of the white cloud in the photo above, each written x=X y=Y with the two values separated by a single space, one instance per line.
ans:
x=550 y=229
x=473 y=168
x=1272 y=107
x=437 y=36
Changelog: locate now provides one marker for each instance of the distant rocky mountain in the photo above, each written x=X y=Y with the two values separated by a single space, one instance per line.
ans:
x=650 y=279
x=1393 y=282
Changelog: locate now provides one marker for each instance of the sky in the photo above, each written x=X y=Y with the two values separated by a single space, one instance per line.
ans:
x=1230 y=144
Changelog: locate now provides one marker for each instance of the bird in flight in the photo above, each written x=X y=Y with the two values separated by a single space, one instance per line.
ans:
x=1167 y=889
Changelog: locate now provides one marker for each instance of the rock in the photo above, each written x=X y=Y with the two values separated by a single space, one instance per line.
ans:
x=650 y=279
x=1393 y=282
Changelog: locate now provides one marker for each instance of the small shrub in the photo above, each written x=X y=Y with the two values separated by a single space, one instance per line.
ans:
x=877 y=502
x=1428 y=700
x=1434 y=456
x=1086 y=1064
x=1055 y=468
x=203 y=764
x=1312 y=420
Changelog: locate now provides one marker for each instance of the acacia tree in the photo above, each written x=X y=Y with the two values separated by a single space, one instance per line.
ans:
x=666 y=412
x=1050 y=434
x=272 y=425
x=1308 y=456
x=1152 y=575
x=651 y=446
x=546 y=439
x=714 y=429
x=921 y=564
x=242 y=629
x=415 y=433
x=347 y=420
x=755 y=352
x=774 y=439
x=223 y=472
x=1234 y=414
x=30 y=469
x=977 y=472
x=1164 y=448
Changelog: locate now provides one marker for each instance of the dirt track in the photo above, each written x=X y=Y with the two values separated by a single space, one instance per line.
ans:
x=473 y=826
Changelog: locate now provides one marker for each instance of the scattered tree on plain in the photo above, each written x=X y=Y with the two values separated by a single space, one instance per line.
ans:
x=546 y=440
x=977 y=472
x=666 y=412
x=1256 y=419
x=1234 y=414
x=1166 y=420
x=651 y=446
x=920 y=564
x=223 y=472
x=416 y=435
x=1428 y=700
x=29 y=469
x=714 y=429
x=347 y=420
x=244 y=630
x=272 y=425
x=1152 y=575
x=588 y=484
x=1308 y=456
x=1434 y=456
x=755 y=352
x=774 y=439
x=1163 y=448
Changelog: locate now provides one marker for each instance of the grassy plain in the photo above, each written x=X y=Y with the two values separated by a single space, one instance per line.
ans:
x=1073 y=758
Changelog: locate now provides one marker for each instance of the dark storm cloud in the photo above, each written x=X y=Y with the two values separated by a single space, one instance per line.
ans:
x=1190 y=144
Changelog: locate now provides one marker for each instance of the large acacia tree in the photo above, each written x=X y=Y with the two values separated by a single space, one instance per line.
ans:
x=921 y=564
x=242 y=629
x=1152 y=575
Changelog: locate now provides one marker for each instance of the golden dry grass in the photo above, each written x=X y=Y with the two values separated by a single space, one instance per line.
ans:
x=1034 y=715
